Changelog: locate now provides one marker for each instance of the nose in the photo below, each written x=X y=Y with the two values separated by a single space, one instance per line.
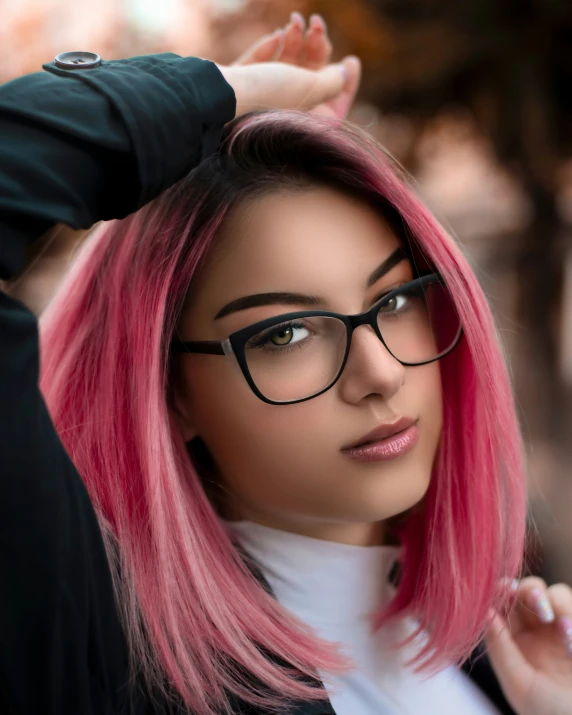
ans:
x=370 y=368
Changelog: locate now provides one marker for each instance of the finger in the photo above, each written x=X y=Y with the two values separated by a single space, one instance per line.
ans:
x=324 y=110
x=324 y=85
x=342 y=103
x=265 y=49
x=276 y=85
x=532 y=605
x=512 y=669
x=318 y=45
x=560 y=596
x=293 y=48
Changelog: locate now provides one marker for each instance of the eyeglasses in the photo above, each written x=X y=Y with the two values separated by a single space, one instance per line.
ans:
x=297 y=356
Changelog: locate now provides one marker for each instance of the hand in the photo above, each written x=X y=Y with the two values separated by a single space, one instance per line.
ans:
x=293 y=44
x=289 y=69
x=532 y=654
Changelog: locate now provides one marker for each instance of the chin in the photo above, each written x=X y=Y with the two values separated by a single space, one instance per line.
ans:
x=396 y=498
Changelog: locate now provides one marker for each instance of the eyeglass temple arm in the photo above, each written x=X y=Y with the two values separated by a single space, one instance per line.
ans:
x=206 y=347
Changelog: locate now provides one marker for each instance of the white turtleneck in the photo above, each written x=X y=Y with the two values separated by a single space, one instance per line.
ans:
x=334 y=588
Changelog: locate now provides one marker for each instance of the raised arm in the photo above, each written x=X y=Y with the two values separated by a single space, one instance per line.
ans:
x=82 y=145
x=76 y=146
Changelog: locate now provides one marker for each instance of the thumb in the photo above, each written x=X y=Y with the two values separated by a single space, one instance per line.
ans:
x=325 y=84
x=343 y=101
x=513 y=671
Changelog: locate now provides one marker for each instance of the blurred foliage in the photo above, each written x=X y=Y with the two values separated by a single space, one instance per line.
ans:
x=509 y=62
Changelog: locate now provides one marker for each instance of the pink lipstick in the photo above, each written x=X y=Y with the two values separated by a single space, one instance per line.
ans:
x=388 y=441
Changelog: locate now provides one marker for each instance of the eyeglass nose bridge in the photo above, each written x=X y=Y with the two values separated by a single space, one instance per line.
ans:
x=369 y=317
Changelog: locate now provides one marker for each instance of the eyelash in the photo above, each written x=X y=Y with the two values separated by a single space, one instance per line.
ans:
x=388 y=290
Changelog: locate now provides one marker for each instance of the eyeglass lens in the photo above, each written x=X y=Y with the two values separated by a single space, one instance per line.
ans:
x=302 y=357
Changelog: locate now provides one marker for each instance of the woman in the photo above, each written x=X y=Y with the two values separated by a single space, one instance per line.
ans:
x=216 y=366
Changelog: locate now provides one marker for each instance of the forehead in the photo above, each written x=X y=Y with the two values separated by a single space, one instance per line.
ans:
x=297 y=240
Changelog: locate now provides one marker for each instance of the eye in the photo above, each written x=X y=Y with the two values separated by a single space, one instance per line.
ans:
x=280 y=336
x=398 y=302
x=288 y=334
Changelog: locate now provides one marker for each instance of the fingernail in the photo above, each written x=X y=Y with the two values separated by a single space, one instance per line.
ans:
x=344 y=70
x=542 y=605
x=565 y=625
x=297 y=16
x=514 y=584
x=318 y=20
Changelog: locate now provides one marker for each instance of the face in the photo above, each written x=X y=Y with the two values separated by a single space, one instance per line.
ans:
x=283 y=465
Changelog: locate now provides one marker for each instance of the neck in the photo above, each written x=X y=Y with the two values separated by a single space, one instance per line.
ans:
x=353 y=534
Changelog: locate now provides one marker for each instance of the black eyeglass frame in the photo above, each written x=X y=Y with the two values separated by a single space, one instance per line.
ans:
x=234 y=346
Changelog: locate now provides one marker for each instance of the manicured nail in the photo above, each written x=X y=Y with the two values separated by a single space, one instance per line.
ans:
x=344 y=70
x=565 y=625
x=318 y=21
x=542 y=605
x=298 y=16
x=514 y=585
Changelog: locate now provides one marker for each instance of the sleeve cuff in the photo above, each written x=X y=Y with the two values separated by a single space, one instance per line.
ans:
x=174 y=109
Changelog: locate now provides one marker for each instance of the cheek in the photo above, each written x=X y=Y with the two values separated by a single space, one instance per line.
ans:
x=250 y=441
x=220 y=401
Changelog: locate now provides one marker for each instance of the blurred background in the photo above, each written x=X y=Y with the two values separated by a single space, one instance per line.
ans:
x=474 y=98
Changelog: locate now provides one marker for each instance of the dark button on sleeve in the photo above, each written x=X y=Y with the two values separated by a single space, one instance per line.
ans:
x=77 y=60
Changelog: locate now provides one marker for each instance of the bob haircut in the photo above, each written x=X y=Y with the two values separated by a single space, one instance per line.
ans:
x=199 y=625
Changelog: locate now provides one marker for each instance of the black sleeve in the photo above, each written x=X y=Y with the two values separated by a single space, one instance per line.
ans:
x=75 y=147
x=478 y=667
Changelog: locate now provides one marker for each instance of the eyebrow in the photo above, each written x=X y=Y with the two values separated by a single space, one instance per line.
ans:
x=254 y=301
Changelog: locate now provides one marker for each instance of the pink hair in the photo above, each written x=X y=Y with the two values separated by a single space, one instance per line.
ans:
x=196 y=619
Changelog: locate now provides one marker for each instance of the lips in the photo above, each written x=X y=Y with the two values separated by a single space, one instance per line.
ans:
x=383 y=431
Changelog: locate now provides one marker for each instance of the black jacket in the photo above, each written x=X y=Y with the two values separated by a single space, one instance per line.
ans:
x=77 y=147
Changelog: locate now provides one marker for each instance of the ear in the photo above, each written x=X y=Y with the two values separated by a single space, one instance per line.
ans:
x=187 y=429
x=182 y=412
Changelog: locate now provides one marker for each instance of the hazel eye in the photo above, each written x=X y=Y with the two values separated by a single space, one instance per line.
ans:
x=283 y=337
x=394 y=304
x=280 y=336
